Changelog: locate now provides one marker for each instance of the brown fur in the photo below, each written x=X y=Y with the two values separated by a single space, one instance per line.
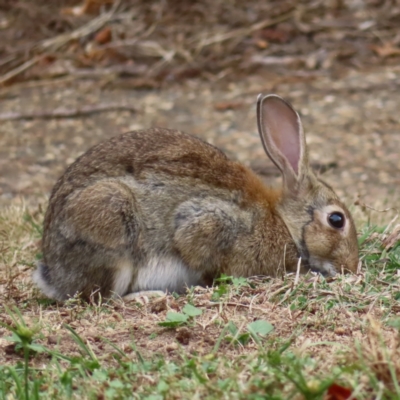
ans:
x=158 y=198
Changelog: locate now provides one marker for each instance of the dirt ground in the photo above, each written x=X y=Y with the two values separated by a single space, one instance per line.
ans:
x=351 y=123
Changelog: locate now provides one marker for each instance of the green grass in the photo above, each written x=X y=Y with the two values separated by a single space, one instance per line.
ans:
x=275 y=373
x=242 y=339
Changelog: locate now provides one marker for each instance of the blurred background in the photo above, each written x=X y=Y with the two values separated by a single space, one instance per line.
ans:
x=73 y=73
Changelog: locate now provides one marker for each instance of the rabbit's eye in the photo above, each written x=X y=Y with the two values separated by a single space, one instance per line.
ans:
x=336 y=220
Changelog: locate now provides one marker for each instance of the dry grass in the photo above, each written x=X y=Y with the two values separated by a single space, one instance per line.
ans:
x=381 y=354
x=341 y=331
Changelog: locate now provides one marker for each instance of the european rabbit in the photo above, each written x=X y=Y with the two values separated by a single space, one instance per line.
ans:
x=162 y=210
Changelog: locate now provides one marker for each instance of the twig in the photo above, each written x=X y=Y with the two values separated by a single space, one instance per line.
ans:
x=6 y=60
x=131 y=70
x=276 y=292
x=275 y=60
x=242 y=31
x=252 y=301
x=204 y=326
x=297 y=277
x=34 y=84
x=92 y=26
x=358 y=202
x=285 y=297
x=18 y=70
x=359 y=267
x=60 y=40
x=237 y=305
x=65 y=112
x=388 y=283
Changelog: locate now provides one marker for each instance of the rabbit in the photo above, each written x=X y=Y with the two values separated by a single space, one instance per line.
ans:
x=159 y=209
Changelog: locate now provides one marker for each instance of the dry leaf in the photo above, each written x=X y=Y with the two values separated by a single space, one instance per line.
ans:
x=93 y=55
x=387 y=50
x=48 y=59
x=262 y=44
x=228 y=105
x=275 y=35
x=338 y=392
x=104 y=36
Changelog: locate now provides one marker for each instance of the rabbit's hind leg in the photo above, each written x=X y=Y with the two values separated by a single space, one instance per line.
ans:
x=91 y=246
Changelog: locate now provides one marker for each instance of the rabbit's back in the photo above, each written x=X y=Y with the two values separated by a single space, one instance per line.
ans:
x=160 y=151
x=129 y=199
x=163 y=167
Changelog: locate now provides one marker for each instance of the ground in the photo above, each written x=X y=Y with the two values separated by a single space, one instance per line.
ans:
x=145 y=65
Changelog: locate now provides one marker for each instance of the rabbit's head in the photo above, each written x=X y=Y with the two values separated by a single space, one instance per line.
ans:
x=319 y=223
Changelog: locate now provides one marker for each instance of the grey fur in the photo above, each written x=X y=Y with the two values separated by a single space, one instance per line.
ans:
x=159 y=209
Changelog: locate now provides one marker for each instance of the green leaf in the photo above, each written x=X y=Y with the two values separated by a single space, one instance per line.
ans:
x=13 y=338
x=238 y=282
x=260 y=327
x=110 y=393
x=232 y=328
x=395 y=323
x=100 y=375
x=66 y=378
x=243 y=338
x=116 y=384
x=237 y=337
x=162 y=386
x=191 y=311
x=174 y=319
x=37 y=347
x=219 y=292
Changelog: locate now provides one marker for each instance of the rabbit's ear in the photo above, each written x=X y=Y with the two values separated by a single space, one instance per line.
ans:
x=283 y=138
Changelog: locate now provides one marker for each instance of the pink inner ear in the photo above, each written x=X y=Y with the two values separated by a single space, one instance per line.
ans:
x=282 y=124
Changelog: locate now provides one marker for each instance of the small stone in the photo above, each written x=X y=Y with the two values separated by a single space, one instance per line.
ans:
x=52 y=339
x=171 y=347
x=340 y=331
x=183 y=336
